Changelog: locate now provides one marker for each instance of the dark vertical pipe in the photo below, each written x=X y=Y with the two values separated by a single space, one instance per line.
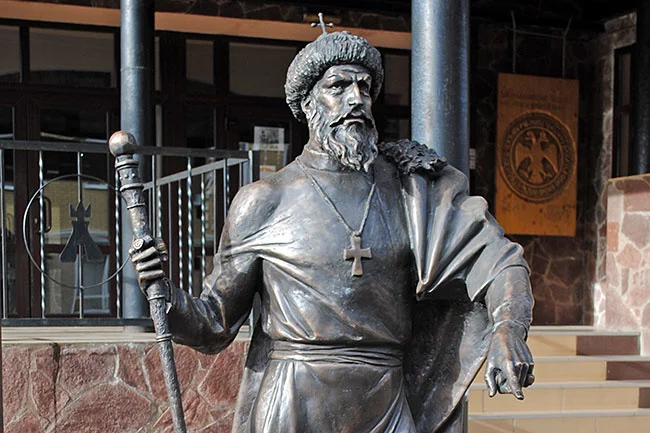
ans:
x=640 y=146
x=440 y=91
x=440 y=78
x=136 y=114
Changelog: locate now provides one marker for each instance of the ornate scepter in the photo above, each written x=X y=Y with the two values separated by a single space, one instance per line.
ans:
x=122 y=146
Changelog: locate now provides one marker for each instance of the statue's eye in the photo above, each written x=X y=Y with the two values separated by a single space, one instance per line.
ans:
x=364 y=87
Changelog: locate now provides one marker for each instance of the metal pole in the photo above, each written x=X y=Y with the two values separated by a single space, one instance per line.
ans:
x=3 y=232
x=41 y=216
x=440 y=78
x=80 y=265
x=440 y=83
x=190 y=230
x=136 y=111
x=640 y=146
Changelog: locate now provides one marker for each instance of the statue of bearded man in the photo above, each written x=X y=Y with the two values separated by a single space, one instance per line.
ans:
x=383 y=286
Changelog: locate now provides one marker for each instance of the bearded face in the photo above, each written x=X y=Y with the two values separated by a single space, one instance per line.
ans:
x=338 y=112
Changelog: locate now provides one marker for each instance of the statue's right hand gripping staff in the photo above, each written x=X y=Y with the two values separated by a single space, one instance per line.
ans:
x=122 y=146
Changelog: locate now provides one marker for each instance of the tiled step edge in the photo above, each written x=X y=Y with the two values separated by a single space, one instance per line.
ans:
x=558 y=414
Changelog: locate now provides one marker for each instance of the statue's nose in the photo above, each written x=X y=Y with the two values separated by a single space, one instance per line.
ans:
x=354 y=95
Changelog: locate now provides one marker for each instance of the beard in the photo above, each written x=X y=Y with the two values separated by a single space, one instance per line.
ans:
x=353 y=144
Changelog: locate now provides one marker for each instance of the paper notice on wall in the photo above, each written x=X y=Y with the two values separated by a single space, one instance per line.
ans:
x=536 y=155
x=269 y=141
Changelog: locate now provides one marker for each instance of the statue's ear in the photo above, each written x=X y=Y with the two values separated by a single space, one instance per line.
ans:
x=307 y=106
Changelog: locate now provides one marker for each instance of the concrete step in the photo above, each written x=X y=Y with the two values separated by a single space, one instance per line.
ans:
x=564 y=396
x=571 y=341
x=586 y=421
x=587 y=368
x=587 y=381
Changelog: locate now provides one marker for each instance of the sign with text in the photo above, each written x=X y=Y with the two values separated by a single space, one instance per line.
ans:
x=536 y=155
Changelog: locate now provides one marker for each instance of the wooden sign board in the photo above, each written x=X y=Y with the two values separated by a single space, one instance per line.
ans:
x=537 y=132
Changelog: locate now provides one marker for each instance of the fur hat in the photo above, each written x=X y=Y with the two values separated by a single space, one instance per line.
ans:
x=331 y=49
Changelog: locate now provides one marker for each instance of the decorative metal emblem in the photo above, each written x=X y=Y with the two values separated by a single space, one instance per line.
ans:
x=537 y=157
x=80 y=237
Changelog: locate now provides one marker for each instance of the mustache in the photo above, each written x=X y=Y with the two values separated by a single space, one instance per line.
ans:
x=353 y=114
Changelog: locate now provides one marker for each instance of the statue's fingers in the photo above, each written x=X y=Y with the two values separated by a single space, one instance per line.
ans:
x=502 y=383
x=523 y=373
x=141 y=256
x=530 y=379
x=161 y=247
x=490 y=380
x=512 y=380
x=150 y=275
x=148 y=265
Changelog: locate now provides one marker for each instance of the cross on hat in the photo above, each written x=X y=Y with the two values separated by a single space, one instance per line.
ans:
x=322 y=24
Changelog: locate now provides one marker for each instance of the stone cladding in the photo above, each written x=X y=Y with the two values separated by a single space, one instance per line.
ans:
x=115 y=388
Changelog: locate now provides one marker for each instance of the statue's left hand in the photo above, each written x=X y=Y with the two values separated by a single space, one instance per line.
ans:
x=509 y=365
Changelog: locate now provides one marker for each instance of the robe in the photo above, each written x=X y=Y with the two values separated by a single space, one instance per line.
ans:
x=391 y=351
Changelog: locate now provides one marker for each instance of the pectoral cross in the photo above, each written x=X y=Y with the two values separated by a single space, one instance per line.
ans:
x=356 y=253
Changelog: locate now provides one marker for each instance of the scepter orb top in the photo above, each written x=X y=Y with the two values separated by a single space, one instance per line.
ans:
x=122 y=143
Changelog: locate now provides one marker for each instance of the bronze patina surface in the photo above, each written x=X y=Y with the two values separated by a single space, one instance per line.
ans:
x=435 y=288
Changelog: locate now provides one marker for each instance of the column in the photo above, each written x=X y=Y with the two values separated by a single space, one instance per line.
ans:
x=137 y=117
x=440 y=78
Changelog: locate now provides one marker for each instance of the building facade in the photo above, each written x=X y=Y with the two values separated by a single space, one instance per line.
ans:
x=218 y=84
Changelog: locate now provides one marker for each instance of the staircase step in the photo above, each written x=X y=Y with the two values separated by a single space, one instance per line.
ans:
x=587 y=368
x=588 y=421
x=564 y=369
x=628 y=369
x=571 y=341
x=587 y=381
x=564 y=396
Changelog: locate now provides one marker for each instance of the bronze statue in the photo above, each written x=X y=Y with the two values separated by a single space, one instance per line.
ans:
x=384 y=286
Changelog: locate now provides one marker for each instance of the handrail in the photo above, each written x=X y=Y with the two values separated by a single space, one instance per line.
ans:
x=209 y=170
x=66 y=146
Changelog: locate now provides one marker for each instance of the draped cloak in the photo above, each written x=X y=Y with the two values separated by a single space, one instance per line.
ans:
x=435 y=252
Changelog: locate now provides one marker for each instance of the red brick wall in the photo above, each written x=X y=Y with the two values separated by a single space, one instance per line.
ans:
x=115 y=388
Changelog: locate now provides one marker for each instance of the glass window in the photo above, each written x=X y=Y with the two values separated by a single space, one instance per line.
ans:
x=199 y=65
x=395 y=129
x=62 y=300
x=200 y=126
x=259 y=70
x=624 y=67
x=7 y=133
x=78 y=213
x=622 y=111
x=10 y=54
x=156 y=61
x=397 y=79
x=77 y=126
x=9 y=211
x=72 y=58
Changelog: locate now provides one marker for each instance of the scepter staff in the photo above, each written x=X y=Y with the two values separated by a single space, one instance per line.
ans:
x=122 y=146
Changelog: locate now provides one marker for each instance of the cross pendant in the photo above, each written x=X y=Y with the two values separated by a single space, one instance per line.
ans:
x=356 y=253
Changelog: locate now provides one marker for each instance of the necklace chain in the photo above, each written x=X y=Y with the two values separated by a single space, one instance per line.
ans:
x=325 y=197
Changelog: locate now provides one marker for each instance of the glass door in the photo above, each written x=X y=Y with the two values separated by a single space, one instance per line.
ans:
x=7 y=215
x=78 y=210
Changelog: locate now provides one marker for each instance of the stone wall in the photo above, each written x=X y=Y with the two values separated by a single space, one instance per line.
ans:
x=568 y=273
x=627 y=288
x=115 y=388
x=563 y=268
x=620 y=32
